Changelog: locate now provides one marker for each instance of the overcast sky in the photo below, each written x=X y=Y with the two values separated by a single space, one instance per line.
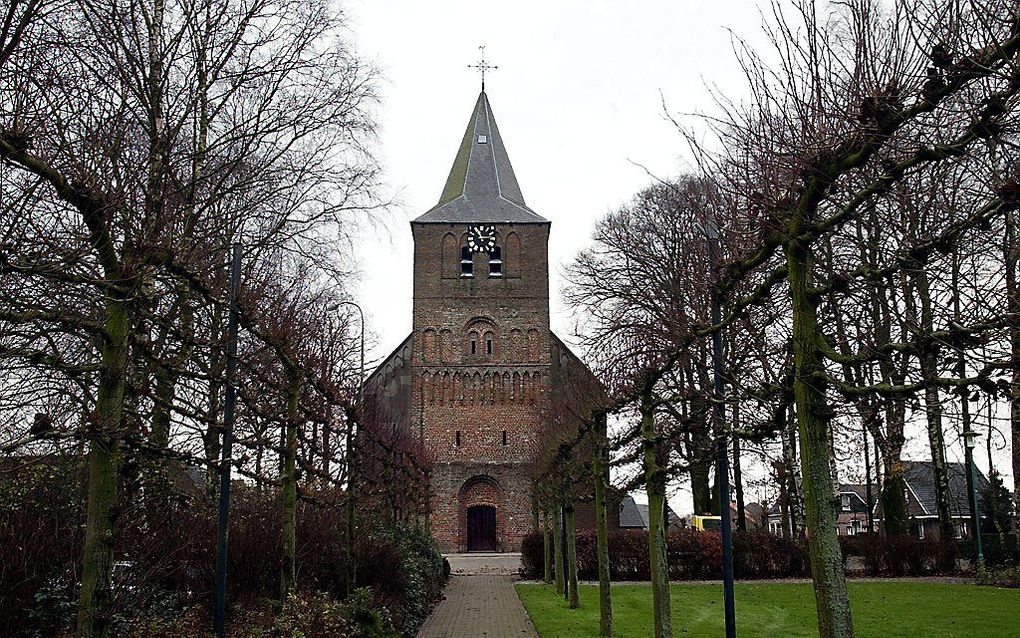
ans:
x=579 y=98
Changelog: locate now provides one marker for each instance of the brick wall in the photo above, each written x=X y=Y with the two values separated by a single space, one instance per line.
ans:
x=481 y=413
x=480 y=409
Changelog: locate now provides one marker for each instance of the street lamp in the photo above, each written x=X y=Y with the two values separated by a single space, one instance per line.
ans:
x=351 y=459
x=719 y=417
x=970 y=441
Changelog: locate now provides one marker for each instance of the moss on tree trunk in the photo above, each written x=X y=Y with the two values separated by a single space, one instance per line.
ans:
x=571 y=558
x=813 y=417
x=547 y=568
x=655 y=482
x=95 y=604
x=288 y=491
x=600 y=471
x=558 y=551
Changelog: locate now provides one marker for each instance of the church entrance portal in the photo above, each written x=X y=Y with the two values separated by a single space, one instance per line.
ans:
x=481 y=528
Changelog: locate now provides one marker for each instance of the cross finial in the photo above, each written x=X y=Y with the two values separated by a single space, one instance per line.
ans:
x=482 y=65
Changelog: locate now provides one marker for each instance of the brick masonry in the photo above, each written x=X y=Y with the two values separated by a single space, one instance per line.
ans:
x=479 y=409
x=481 y=412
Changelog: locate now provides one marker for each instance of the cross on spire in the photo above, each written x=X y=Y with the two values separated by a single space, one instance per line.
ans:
x=482 y=65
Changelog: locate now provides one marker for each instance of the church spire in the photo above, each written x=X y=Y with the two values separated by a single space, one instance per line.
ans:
x=481 y=186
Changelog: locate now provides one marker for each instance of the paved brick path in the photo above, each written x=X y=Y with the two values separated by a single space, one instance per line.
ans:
x=479 y=605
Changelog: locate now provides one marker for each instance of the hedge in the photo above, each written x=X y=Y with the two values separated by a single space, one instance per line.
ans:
x=695 y=555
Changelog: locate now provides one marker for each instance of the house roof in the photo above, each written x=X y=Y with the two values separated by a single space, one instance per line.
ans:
x=858 y=493
x=635 y=515
x=482 y=187
x=920 y=479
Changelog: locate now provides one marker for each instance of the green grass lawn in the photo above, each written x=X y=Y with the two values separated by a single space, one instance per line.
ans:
x=886 y=610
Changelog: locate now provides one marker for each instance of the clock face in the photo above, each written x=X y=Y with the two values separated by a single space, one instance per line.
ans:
x=481 y=239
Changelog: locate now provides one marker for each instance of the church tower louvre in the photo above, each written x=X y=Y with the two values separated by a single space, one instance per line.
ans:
x=474 y=380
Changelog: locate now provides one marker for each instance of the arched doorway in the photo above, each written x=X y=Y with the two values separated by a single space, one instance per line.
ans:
x=481 y=528
x=480 y=516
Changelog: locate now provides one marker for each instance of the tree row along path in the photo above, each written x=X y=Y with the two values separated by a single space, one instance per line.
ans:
x=479 y=605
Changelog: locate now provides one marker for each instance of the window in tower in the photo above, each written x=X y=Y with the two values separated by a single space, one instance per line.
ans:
x=496 y=262
x=488 y=343
x=474 y=342
x=457 y=439
x=504 y=438
x=467 y=266
x=483 y=139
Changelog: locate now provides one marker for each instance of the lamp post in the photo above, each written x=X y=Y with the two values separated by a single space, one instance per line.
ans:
x=719 y=417
x=970 y=441
x=351 y=458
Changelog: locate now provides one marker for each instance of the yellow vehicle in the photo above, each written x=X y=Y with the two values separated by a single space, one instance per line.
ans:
x=707 y=523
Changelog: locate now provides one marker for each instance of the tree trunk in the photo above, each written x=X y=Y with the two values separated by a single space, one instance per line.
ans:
x=95 y=605
x=211 y=436
x=600 y=470
x=558 y=551
x=738 y=481
x=789 y=442
x=1012 y=250
x=813 y=417
x=701 y=488
x=547 y=567
x=655 y=482
x=784 y=501
x=571 y=557
x=933 y=410
x=350 y=577
x=288 y=492
x=895 y=518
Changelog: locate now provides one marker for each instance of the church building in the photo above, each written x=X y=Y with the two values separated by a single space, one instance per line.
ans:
x=477 y=378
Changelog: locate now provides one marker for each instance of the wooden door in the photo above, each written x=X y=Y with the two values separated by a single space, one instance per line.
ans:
x=481 y=528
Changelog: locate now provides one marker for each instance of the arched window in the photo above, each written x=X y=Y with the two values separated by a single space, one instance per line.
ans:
x=512 y=258
x=496 y=262
x=451 y=256
x=473 y=343
x=467 y=264
x=490 y=348
x=430 y=345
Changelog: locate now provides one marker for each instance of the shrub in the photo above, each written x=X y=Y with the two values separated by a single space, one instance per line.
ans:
x=533 y=556
x=168 y=550
x=416 y=583
x=42 y=523
x=695 y=555
x=1005 y=575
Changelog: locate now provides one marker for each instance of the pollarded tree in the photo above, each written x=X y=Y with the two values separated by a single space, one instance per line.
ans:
x=833 y=129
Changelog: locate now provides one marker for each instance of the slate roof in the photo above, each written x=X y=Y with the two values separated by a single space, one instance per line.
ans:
x=482 y=187
x=921 y=480
x=921 y=486
x=635 y=515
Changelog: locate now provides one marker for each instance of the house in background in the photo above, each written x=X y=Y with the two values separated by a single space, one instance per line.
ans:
x=634 y=515
x=853 y=511
x=755 y=515
x=921 y=506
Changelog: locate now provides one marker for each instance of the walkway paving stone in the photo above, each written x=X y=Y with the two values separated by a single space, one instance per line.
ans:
x=482 y=605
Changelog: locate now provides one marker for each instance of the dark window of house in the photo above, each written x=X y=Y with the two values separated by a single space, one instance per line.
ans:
x=504 y=437
x=457 y=441
x=466 y=263
x=496 y=262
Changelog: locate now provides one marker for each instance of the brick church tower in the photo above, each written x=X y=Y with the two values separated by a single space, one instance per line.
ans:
x=475 y=378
